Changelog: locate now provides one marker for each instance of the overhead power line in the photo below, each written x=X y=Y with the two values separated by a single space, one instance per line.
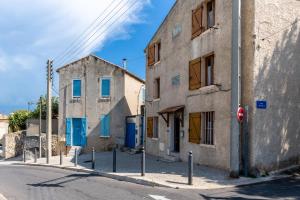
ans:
x=90 y=42
x=84 y=32
x=94 y=30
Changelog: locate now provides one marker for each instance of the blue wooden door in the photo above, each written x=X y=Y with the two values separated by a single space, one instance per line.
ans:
x=77 y=131
x=130 y=135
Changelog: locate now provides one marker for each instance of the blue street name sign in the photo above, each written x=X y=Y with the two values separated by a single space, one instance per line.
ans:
x=261 y=104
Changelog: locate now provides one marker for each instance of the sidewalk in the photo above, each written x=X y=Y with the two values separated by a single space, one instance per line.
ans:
x=158 y=173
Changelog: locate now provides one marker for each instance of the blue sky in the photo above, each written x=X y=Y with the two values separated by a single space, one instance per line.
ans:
x=29 y=36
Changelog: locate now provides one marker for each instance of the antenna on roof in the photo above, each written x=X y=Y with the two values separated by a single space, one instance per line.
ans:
x=125 y=63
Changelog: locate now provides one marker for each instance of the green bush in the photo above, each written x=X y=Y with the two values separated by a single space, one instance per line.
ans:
x=17 y=120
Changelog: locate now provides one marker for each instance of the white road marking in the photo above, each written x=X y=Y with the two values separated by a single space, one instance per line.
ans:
x=157 y=197
x=2 y=197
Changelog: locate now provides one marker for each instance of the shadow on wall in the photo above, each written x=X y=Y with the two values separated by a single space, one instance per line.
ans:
x=278 y=81
x=117 y=129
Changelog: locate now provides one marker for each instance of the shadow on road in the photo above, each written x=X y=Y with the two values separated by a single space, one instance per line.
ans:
x=58 y=182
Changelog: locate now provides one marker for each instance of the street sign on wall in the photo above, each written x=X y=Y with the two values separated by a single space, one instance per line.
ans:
x=261 y=104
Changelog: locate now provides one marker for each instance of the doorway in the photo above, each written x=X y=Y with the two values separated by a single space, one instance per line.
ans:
x=176 y=134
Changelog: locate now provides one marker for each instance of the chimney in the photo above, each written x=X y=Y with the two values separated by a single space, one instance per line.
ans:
x=125 y=63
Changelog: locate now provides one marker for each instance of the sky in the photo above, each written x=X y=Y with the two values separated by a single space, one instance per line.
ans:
x=32 y=31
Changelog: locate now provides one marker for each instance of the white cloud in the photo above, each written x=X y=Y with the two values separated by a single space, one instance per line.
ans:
x=31 y=31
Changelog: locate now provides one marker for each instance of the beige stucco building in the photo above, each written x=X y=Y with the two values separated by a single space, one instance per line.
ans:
x=4 y=123
x=96 y=96
x=192 y=90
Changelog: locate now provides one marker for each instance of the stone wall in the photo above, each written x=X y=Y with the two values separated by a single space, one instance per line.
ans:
x=13 y=144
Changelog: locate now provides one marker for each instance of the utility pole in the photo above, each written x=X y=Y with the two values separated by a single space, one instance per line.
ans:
x=40 y=131
x=49 y=109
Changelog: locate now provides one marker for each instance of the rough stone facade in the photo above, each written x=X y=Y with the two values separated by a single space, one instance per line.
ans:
x=125 y=90
x=270 y=72
x=14 y=143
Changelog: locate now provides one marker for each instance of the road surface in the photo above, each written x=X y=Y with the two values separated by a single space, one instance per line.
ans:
x=41 y=183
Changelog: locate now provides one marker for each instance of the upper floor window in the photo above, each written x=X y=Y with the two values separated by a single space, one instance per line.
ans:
x=195 y=74
x=105 y=84
x=210 y=7
x=76 y=88
x=153 y=54
x=197 y=26
x=157 y=88
x=203 y=17
x=209 y=70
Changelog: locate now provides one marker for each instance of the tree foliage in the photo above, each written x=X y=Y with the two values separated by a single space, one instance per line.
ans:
x=42 y=103
x=17 y=120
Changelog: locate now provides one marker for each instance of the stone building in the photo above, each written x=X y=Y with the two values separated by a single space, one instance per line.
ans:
x=96 y=96
x=4 y=123
x=193 y=88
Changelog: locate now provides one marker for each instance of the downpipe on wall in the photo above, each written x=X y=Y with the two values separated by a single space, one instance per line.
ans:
x=236 y=89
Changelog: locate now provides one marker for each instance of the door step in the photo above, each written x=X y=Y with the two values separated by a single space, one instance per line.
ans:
x=71 y=153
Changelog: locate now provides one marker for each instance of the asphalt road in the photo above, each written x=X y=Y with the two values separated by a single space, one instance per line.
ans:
x=27 y=182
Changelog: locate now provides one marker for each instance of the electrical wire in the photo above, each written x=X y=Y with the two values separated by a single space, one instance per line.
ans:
x=57 y=57
x=76 y=52
x=97 y=28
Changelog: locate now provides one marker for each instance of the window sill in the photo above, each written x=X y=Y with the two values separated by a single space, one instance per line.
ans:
x=204 y=90
x=157 y=99
x=104 y=99
x=208 y=146
x=154 y=139
x=205 y=32
x=105 y=137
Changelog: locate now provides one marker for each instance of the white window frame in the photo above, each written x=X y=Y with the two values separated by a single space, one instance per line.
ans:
x=100 y=84
x=76 y=79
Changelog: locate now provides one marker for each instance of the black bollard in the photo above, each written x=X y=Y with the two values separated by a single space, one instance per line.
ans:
x=93 y=158
x=76 y=158
x=190 y=171
x=115 y=160
x=24 y=155
x=61 y=157
x=35 y=155
x=143 y=162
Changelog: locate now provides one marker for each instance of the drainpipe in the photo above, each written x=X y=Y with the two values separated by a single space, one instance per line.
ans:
x=235 y=89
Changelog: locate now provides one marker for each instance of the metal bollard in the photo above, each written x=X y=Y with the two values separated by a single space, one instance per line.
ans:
x=93 y=158
x=143 y=162
x=190 y=171
x=61 y=157
x=76 y=158
x=35 y=155
x=115 y=160
x=24 y=155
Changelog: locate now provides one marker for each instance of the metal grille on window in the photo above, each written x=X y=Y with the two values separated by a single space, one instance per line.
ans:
x=209 y=128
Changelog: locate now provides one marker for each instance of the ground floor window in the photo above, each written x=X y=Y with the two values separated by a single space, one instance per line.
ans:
x=201 y=128
x=152 y=127
x=208 y=137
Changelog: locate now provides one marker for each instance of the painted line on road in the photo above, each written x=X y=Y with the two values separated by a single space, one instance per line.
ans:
x=157 y=197
x=2 y=197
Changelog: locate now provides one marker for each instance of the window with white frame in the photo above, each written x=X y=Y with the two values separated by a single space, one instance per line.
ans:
x=105 y=87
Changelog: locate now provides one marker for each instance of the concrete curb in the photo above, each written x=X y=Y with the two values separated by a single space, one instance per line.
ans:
x=141 y=181
x=99 y=173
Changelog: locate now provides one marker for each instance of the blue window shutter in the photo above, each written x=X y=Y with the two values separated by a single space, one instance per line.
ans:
x=105 y=87
x=76 y=88
x=83 y=131
x=105 y=125
x=68 y=131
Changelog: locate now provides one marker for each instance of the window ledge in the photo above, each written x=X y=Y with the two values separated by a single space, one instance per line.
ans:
x=157 y=99
x=104 y=99
x=209 y=89
x=105 y=137
x=208 y=146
